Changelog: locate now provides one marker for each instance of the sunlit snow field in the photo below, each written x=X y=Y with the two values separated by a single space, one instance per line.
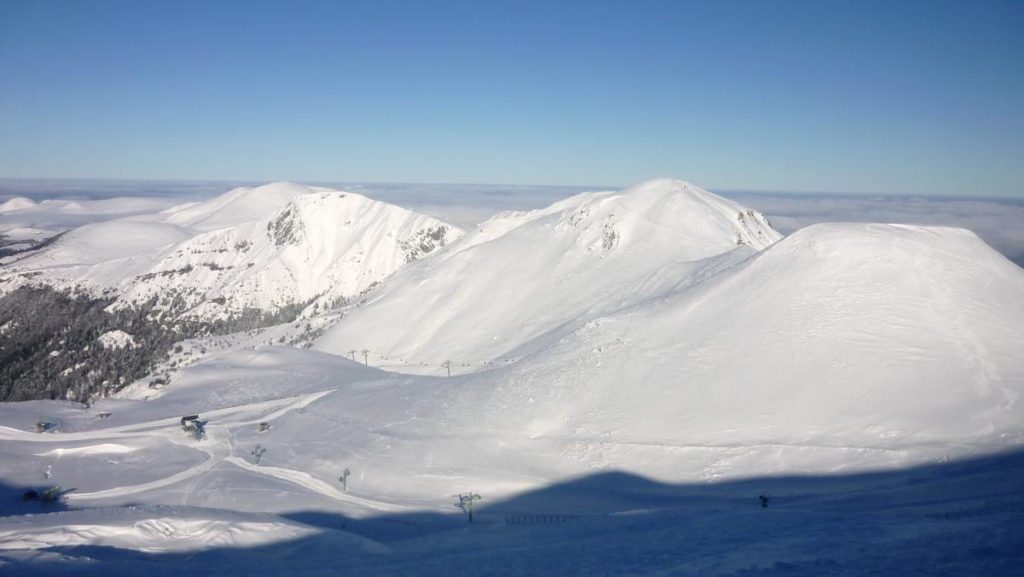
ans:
x=651 y=381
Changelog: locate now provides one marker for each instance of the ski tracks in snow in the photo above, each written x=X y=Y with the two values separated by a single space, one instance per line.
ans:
x=217 y=445
x=316 y=485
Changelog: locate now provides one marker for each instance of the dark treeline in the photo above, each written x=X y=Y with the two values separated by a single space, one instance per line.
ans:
x=50 y=348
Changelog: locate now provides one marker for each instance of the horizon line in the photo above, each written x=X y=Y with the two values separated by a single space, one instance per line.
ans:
x=583 y=187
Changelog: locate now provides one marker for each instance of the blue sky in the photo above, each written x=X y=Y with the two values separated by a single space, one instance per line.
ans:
x=874 y=97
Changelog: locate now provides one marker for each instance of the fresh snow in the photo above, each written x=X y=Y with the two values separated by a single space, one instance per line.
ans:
x=507 y=288
x=630 y=371
x=327 y=245
x=24 y=219
x=264 y=247
x=237 y=206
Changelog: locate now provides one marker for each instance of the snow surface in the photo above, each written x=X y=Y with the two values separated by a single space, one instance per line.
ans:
x=630 y=371
x=329 y=245
x=237 y=206
x=264 y=247
x=502 y=290
x=51 y=217
x=17 y=203
x=206 y=499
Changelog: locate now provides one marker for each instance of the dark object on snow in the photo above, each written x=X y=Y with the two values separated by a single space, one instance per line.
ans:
x=466 y=503
x=44 y=426
x=194 y=427
x=264 y=427
x=157 y=383
x=52 y=495
x=764 y=501
x=49 y=495
x=104 y=414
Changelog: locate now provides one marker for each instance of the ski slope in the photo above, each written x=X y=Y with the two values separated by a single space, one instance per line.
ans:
x=629 y=372
x=228 y=514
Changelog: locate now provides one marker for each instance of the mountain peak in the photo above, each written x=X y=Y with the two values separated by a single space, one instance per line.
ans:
x=316 y=243
x=695 y=223
x=594 y=251
x=281 y=186
x=674 y=190
x=239 y=205
x=16 y=203
x=660 y=185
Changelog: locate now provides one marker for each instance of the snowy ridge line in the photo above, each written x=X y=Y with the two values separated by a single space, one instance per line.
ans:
x=588 y=255
x=268 y=247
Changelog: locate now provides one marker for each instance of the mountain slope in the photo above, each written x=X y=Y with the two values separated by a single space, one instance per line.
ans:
x=106 y=256
x=522 y=275
x=239 y=205
x=330 y=245
x=885 y=333
x=159 y=280
x=264 y=247
x=785 y=368
x=840 y=347
x=16 y=203
x=102 y=255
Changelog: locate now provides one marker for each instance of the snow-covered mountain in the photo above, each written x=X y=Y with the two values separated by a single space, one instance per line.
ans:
x=237 y=206
x=16 y=203
x=264 y=247
x=839 y=347
x=520 y=276
x=326 y=245
x=660 y=331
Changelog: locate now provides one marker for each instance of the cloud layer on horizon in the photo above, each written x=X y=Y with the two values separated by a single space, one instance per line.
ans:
x=999 y=222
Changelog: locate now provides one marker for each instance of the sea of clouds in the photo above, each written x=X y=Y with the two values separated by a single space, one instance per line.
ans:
x=1000 y=222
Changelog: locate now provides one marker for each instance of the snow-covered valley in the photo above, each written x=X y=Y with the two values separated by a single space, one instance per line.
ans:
x=618 y=376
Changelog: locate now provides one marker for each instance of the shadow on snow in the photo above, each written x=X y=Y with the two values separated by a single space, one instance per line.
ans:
x=962 y=517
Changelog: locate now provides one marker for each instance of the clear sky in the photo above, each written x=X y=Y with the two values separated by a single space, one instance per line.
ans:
x=878 y=97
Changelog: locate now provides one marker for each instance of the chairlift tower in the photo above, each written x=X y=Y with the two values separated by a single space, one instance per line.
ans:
x=466 y=503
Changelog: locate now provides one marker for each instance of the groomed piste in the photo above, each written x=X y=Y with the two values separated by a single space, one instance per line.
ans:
x=629 y=373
